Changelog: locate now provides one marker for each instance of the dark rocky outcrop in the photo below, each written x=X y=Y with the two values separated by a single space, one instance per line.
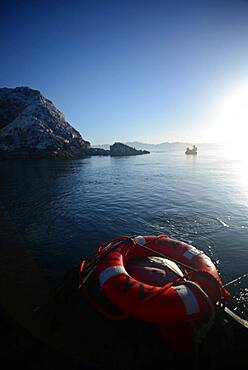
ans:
x=97 y=151
x=31 y=126
x=119 y=149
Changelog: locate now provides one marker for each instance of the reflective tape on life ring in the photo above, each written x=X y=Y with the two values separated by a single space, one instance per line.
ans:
x=110 y=272
x=191 y=253
x=140 y=240
x=189 y=300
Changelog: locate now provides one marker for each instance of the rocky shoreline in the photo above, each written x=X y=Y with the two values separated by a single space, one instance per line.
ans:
x=116 y=150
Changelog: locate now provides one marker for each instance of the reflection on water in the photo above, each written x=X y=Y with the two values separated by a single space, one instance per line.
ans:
x=64 y=209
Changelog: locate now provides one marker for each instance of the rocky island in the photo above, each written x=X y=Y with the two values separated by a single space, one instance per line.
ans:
x=119 y=149
x=32 y=127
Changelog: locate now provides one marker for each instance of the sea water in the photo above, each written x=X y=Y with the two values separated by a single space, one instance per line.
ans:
x=63 y=209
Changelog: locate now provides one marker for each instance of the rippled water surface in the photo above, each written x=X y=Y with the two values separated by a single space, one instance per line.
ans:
x=65 y=208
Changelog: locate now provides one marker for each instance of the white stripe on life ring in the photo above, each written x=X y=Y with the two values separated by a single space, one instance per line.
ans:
x=189 y=300
x=140 y=240
x=191 y=253
x=110 y=272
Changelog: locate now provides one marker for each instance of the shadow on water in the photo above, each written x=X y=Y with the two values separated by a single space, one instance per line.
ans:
x=37 y=196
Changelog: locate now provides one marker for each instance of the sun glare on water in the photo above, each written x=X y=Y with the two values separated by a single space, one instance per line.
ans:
x=231 y=128
x=232 y=125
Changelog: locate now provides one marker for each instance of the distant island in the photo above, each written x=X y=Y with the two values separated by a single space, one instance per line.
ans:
x=116 y=150
x=32 y=127
x=162 y=147
x=119 y=149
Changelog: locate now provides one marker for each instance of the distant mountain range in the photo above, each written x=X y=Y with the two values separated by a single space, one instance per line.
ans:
x=159 y=147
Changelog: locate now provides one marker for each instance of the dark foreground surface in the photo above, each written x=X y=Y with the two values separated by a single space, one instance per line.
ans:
x=74 y=336
x=45 y=327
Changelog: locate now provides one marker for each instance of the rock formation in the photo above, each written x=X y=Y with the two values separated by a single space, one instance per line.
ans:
x=119 y=149
x=31 y=126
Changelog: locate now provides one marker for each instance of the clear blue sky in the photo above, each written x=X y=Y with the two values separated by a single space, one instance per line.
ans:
x=128 y=70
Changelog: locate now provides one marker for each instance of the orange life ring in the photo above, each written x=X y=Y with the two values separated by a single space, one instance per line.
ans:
x=177 y=302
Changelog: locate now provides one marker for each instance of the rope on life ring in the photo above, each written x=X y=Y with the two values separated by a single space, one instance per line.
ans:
x=106 y=248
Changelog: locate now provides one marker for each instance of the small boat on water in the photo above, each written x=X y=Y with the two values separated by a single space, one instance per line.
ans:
x=192 y=151
x=158 y=280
